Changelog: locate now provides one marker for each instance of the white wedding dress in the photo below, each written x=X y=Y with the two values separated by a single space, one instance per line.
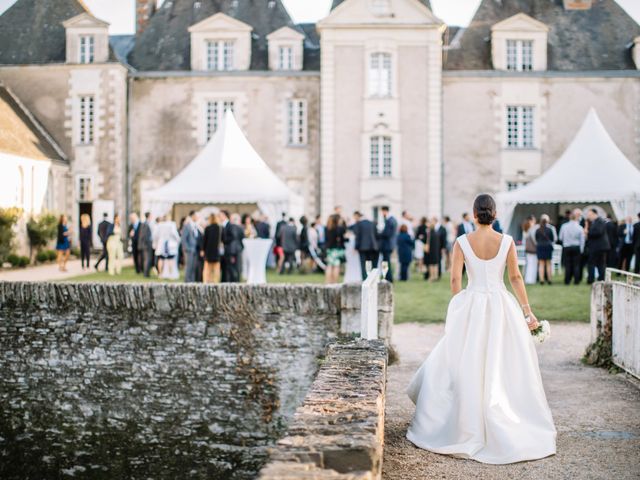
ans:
x=479 y=394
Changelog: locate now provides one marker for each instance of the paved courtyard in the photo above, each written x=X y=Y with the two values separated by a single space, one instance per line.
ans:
x=597 y=415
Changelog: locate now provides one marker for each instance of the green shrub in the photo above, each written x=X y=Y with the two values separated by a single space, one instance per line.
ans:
x=42 y=230
x=23 y=261
x=42 y=257
x=52 y=254
x=75 y=251
x=13 y=259
x=8 y=218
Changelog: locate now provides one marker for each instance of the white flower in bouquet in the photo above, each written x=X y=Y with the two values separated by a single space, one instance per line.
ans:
x=543 y=331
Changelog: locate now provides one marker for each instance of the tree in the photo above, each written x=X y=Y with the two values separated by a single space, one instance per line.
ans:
x=42 y=230
x=8 y=218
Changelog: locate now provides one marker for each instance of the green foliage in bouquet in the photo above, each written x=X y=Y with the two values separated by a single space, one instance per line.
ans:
x=42 y=230
x=8 y=218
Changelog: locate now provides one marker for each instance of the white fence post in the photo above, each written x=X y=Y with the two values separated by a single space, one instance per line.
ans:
x=625 y=320
x=369 y=306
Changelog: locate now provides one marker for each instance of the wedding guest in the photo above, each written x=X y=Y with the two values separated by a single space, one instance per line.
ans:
x=387 y=240
x=145 y=245
x=278 y=252
x=422 y=235
x=407 y=219
x=544 y=249
x=335 y=242
x=614 y=251
x=263 y=229
x=636 y=244
x=451 y=238
x=598 y=245
x=466 y=226
x=442 y=242
x=314 y=248
x=531 y=257
x=134 y=236
x=406 y=246
x=432 y=256
x=190 y=237
x=232 y=236
x=496 y=226
x=250 y=230
x=289 y=242
x=115 y=247
x=321 y=229
x=572 y=238
x=366 y=242
x=167 y=241
x=85 y=240
x=303 y=244
x=63 y=243
x=625 y=240
x=104 y=230
x=211 y=245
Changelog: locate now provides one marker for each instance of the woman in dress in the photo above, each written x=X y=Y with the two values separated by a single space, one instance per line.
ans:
x=529 y=228
x=63 y=244
x=479 y=394
x=433 y=256
x=211 y=242
x=167 y=249
x=406 y=246
x=85 y=240
x=544 y=249
x=335 y=233
x=421 y=241
x=115 y=248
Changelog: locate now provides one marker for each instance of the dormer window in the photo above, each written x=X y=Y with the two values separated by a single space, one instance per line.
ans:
x=87 y=48
x=220 y=55
x=520 y=55
x=285 y=49
x=285 y=58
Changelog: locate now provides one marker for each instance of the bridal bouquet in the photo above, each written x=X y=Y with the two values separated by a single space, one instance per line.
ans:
x=543 y=331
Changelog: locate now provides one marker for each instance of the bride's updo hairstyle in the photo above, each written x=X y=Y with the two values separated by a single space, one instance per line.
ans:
x=484 y=208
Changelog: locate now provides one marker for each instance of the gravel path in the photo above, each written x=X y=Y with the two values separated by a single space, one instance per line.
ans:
x=597 y=415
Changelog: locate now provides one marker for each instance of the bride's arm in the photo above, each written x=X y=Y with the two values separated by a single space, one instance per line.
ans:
x=457 y=262
x=517 y=283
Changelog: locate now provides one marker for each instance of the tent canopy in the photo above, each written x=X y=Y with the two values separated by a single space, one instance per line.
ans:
x=591 y=170
x=227 y=170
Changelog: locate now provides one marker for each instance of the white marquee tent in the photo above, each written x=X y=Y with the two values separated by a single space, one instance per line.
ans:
x=591 y=170
x=227 y=171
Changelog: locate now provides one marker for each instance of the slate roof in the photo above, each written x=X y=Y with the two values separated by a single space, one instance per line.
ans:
x=31 y=31
x=21 y=134
x=121 y=45
x=165 y=42
x=594 y=39
x=338 y=2
x=311 y=46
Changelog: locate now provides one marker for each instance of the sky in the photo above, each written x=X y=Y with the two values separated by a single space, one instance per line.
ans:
x=119 y=13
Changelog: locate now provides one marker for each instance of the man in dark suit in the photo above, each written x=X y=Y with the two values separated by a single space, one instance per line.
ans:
x=366 y=242
x=598 y=245
x=636 y=244
x=105 y=228
x=442 y=236
x=387 y=239
x=289 y=242
x=277 y=249
x=613 y=255
x=232 y=236
x=134 y=235
x=263 y=229
x=466 y=226
x=145 y=245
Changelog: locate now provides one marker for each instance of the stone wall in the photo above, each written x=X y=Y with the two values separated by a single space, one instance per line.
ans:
x=338 y=432
x=137 y=381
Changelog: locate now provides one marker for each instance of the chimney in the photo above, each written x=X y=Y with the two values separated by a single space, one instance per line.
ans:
x=144 y=10
x=577 y=4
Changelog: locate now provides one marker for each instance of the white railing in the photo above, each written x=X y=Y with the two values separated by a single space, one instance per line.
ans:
x=369 y=306
x=625 y=319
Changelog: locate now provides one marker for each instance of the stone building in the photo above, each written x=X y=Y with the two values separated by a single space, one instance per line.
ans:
x=379 y=103
x=55 y=56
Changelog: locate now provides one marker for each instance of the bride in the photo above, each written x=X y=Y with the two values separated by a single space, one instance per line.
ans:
x=479 y=394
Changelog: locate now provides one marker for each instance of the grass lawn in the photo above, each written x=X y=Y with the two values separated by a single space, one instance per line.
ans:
x=420 y=301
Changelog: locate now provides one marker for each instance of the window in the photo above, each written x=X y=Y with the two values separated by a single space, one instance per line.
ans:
x=380 y=75
x=297 y=122
x=215 y=114
x=380 y=7
x=380 y=157
x=520 y=55
x=515 y=185
x=86 y=120
x=519 y=127
x=219 y=55
x=285 y=58
x=87 y=48
x=85 y=190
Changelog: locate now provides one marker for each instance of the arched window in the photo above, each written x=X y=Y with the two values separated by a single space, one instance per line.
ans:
x=380 y=75
x=381 y=156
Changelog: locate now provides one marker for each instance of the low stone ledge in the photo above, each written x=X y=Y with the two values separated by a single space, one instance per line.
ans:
x=350 y=309
x=338 y=431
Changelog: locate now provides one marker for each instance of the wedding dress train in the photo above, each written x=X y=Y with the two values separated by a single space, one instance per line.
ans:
x=479 y=394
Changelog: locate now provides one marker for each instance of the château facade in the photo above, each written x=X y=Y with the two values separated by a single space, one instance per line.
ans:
x=379 y=103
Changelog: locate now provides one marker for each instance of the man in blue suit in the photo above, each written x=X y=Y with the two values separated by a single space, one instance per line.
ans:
x=387 y=239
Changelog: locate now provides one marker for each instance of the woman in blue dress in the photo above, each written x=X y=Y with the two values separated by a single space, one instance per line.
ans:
x=63 y=245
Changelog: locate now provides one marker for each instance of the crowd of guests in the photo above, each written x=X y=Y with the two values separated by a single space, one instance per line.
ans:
x=587 y=239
